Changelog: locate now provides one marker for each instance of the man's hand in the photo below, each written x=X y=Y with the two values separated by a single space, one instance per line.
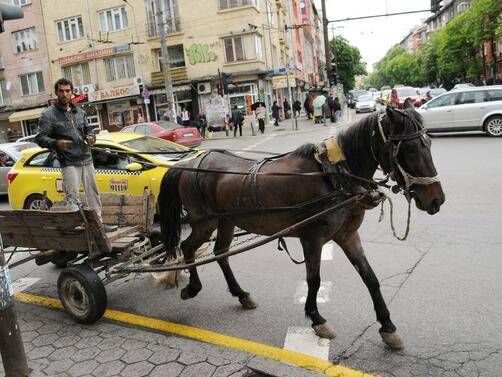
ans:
x=63 y=144
x=90 y=140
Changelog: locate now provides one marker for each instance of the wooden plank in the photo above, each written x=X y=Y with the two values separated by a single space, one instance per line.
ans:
x=124 y=220
x=110 y=199
x=43 y=231
x=64 y=244
x=125 y=210
x=27 y=217
x=97 y=233
x=122 y=232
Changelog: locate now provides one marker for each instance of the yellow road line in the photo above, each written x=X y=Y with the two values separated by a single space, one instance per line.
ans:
x=279 y=354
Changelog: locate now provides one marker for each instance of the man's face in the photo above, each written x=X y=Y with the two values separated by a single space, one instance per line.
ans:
x=64 y=94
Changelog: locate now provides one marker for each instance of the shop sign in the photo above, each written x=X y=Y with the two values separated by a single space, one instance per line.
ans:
x=94 y=54
x=74 y=100
x=123 y=91
x=199 y=53
x=281 y=82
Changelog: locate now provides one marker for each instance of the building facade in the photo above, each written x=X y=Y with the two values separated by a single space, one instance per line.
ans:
x=25 y=81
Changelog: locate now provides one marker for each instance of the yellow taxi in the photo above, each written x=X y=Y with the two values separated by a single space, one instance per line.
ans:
x=38 y=171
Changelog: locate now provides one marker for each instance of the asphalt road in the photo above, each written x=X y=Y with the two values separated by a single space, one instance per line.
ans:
x=442 y=285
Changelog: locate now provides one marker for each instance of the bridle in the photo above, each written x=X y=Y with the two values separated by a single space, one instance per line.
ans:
x=393 y=150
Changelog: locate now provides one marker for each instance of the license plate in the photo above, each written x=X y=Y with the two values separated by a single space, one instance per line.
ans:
x=188 y=134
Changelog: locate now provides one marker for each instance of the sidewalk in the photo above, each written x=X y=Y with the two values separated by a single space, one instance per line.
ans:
x=57 y=346
x=285 y=126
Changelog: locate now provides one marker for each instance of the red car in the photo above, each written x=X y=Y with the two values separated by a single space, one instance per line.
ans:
x=400 y=94
x=187 y=136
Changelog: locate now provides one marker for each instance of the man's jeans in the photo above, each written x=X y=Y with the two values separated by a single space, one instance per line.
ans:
x=72 y=177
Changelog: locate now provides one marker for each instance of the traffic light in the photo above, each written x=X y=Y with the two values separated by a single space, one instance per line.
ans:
x=436 y=6
x=9 y=12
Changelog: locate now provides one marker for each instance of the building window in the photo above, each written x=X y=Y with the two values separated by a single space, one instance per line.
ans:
x=234 y=52
x=20 y=3
x=462 y=7
x=113 y=20
x=70 y=29
x=32 y=83
x=78 y=74
x=120 y=67
x=258 y=47
x=176 y=57
x=25 y=40
x=3 y=93
x=226 y=4
x=270 y=14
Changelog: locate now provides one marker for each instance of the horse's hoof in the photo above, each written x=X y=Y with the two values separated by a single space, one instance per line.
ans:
x=186 y=293
x=324 y=331
x=393 y=340
x=248 y=302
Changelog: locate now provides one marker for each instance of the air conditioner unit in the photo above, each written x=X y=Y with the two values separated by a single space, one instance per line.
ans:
x=86 y=89
x=77 y=91
x=204 y=88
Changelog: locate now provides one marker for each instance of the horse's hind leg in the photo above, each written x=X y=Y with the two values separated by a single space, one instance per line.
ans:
x=201 y=232
x=312 y=248
x=222 y=244
x=354 y=251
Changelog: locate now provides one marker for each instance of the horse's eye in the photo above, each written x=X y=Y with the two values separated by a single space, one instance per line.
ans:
x=411 y=148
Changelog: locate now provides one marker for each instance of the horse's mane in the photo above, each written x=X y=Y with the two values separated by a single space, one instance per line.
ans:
x=305 y=151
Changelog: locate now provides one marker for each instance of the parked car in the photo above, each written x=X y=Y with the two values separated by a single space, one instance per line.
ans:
x=10 y=152
x=385 y=97
x=400 y=94
x=38 y=170
x=365 y=103
x=466 y=109
x=187 y=136
x=463 y=85
x=29 y=138
x=354 y=95
x=377 y=96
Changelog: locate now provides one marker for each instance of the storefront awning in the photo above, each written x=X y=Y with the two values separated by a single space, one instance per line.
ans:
x=5 y=115
x=18 y=116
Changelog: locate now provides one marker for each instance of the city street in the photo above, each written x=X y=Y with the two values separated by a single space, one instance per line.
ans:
x=441 y=285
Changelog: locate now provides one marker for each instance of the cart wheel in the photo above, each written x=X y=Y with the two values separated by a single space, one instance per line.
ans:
x=82 y=293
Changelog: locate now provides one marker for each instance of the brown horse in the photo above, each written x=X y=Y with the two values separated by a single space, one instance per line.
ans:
x=394 y=140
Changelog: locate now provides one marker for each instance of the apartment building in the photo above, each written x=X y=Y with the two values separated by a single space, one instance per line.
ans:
x=25 y=82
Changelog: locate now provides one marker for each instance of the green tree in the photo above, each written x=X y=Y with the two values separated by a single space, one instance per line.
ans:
x=349 y=62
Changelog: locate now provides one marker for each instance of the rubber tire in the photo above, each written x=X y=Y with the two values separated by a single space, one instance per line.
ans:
x=90 y=288
x=36 y=197
x=495 y=117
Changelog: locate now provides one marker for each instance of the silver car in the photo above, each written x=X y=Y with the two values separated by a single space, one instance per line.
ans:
x=465 y=109
x=9 y=154
x=365 y=103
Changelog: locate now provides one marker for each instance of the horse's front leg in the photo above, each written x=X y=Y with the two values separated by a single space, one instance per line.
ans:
x=354 y=251
x=312 y=251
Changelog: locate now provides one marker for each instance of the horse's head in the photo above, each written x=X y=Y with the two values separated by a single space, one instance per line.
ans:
x=407 y=157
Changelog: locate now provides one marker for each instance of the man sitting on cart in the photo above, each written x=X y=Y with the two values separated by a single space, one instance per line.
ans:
x=63 y=127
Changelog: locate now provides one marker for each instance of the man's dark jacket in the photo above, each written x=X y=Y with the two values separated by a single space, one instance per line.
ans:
x=237 y=117
x=58 y=124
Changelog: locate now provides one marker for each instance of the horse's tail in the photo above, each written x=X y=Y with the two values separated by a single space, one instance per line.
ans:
x=170 y=211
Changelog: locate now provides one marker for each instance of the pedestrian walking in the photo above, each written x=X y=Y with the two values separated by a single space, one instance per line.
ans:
x=287 y=109
x=202 y=124
x=307 y=108
x=338 y=110
x=275 y=113
x=185 y=117
x=63 y=127
x=260 y=115
x=237 y=120
x=297 y=107
x=332 y=110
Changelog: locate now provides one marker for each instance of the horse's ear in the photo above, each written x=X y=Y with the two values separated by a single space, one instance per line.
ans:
x=391 y=114
x=408 y=104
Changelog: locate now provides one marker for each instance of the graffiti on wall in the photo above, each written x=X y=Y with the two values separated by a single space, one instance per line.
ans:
x=199 y=53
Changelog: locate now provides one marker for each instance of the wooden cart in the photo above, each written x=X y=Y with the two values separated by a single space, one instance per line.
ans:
x=77 y=241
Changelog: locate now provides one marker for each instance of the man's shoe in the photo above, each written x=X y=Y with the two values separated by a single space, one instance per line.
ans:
x=110 y=228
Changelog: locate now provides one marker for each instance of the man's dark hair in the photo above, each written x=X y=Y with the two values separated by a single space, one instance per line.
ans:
x=62 y=81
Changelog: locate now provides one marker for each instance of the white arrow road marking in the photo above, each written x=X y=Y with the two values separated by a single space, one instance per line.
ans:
x=327 y=251
x=304 y=340
x=322 y=295
x=22 y=283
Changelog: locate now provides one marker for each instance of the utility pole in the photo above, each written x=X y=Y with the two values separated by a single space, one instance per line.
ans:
x=11 y=343
x=294 y=121
x=326 y=40
x=166 y=66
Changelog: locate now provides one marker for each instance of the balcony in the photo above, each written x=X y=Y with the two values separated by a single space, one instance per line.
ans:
x=177 y=74
x=2 y=63
x=173 y=25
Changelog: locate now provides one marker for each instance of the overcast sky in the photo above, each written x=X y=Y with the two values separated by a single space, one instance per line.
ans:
x=374 y=36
